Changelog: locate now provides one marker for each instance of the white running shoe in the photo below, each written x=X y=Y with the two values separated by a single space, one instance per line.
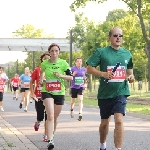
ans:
x=25 y=109
x=30 y=100
x=2 y=109
x=72 y=113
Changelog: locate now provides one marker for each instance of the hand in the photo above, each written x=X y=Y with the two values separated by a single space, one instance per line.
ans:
x=130 y=78
x=74 y=73
x=40 y=83
x=108 y=75
x=57 y=74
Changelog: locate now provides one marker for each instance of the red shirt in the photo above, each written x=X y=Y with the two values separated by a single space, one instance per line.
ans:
x=36 y=77
x=2 y=83
x=15 y=81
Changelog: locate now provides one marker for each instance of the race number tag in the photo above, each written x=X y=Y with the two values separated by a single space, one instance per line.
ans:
x=119 y=74
x=53 y=85
x=79 y=80
x=15 y=84
x=38 y=92
x=1 y=88
x=26 y=84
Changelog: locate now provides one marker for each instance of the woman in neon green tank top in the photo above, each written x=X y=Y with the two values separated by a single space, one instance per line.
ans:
x=53 y=92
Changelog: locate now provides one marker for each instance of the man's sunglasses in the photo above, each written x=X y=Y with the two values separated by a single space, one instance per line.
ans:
x=117 y=35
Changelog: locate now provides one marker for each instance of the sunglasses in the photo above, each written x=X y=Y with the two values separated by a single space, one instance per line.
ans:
x=117 y=35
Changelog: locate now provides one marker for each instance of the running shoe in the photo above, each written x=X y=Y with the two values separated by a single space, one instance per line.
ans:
x=72 y=113
x=20 y=106
x=2 y=109
x=30 y=100
x=25 y=109
x=50 y=145
x=45 y=139
x=80 y=117
x=102 y=149
x=36 y=126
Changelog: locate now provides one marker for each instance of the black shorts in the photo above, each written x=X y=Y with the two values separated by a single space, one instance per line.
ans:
x=24 y=89
x=76 y=92
x=15 y=88
x=58 y=99
x=40 y=110
x=1 y=96
x=112 y=105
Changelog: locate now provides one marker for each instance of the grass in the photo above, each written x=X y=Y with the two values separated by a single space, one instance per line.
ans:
x=138 y=108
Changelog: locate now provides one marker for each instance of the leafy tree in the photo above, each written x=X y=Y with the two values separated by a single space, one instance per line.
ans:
x=29 y=31
x=139 y=8
x=116 y=14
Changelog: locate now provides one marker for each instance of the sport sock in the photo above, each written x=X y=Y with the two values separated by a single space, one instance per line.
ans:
x=103 y=145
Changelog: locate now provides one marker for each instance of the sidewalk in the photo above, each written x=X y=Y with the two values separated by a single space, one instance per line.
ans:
x=12 y=139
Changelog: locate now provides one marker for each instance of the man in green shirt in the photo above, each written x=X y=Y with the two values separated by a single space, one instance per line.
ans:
x=112 y=95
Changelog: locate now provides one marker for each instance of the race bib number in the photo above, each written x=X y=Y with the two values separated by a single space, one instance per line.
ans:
x=1 y=88
x=15 y=84
x=53 y=85
x=79 y=80
x=119 y=75
x=38 y=92
x=26 y=84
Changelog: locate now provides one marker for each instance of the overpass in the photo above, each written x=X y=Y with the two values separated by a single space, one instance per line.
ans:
x=35 y=44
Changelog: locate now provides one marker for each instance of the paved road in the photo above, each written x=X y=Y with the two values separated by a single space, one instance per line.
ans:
x=17 y=128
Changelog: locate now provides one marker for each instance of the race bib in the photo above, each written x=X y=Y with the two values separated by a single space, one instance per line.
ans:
x=38 y=92
x=15 y=84
x=119 y=75
x=53 y=85
x=79 y=80
x=26 y=84
x=1 y=88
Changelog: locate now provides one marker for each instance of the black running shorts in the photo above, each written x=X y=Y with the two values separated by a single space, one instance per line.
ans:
x=75 y=92
x=58 y=99
x=112 y=105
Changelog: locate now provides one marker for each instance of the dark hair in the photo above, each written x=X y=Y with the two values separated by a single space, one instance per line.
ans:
x=1 y=68
x=110 y=31
x=42 y=56
x=52 y=45
x=77 y=58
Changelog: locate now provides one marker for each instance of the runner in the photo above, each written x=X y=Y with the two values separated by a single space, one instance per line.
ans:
x=113 y=89
x=77 y=86
x=53 y=92
x=15 y=81
x=3 y=80
x=36 y=93
x=25 y=86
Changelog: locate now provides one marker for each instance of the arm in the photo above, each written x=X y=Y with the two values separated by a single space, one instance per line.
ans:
x=68 y=75
x=95 y=72
x=32 y=82
x=130 y=75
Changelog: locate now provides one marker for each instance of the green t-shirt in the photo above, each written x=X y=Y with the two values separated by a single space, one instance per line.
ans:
x=106 y=58
x=53 y=84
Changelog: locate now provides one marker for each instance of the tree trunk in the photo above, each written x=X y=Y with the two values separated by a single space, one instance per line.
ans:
x=148 y=50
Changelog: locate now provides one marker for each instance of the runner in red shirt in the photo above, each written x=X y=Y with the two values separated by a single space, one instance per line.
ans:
x=15 y=86
x=3 y=80
x=35 y=89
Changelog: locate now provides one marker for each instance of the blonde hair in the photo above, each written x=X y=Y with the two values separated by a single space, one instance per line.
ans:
x=27 y=68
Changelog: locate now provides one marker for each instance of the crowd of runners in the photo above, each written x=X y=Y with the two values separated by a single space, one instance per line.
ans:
x=46 y=86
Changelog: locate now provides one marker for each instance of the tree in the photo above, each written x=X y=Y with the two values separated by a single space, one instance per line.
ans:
x=139 y=8
x=29 y=31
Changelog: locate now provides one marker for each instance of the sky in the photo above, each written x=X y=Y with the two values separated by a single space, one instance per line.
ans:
x=53 y=16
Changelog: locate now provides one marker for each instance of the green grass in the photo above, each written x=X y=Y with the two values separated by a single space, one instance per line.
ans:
x=138 y=108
